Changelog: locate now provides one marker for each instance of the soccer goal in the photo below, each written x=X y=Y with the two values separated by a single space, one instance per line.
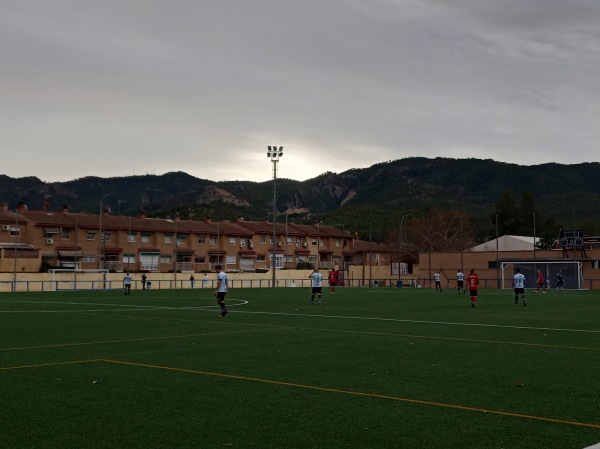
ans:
x=572 y=273
x=79 y=279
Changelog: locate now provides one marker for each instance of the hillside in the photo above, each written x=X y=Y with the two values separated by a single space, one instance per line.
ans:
x=368 y=200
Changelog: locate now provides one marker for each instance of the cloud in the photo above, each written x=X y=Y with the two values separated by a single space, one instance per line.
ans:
x=115 y=89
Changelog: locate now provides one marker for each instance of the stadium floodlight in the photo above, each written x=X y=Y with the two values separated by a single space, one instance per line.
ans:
x=102 y=245
x=401 y=241
x=274 y=154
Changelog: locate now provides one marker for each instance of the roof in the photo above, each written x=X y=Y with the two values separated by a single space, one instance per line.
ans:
x=507 y=243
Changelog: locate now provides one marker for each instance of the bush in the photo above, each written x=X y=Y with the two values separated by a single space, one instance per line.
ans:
x=304 y=266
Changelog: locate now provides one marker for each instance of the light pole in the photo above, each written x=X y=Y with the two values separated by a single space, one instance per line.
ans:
x=102 y=239
x=274 y=154
x=319 y=242
x=401 y=244
x=17 y=233
x=175 y=253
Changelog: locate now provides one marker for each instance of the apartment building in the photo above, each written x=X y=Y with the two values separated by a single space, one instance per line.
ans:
x=123 y=243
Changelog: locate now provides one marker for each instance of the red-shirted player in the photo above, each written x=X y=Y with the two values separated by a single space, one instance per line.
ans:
x=540 y=282
x=332 y=277
x=472 y=283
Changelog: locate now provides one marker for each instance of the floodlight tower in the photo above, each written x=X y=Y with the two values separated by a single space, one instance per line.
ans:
x=274 y=154
x=102 y=246
x=401 y=241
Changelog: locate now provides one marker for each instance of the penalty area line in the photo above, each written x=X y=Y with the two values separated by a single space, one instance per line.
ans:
x=357 y=393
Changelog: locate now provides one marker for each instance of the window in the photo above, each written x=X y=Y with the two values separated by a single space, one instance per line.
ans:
x=230 y=260
x=231 y=241
x=168 y=238
x=314 y=242
x=145 y=238
x=200 y=259
x=87 y=258
x=91 y=235
x=181 y=238
x=149 y=261
x=289 y=240
x=131 y=237
x=15 y=231
x=201 y=240
x=263 y=239
x=212 y=241
x=165 y=259
x=261 y=258
x=337 y=242
x=106 y=236
x=64 y=233
x=128 y=258
x=278 y=261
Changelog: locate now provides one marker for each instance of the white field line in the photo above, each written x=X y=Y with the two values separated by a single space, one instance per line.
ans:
x=121 y=307
x=242 y=302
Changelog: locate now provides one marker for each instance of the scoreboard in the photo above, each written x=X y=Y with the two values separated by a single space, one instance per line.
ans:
x=572 y=239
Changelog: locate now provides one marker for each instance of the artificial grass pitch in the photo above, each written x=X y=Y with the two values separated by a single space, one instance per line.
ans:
x=385 y=368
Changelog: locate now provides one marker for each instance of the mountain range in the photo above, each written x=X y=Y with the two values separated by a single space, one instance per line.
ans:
x=369 y=201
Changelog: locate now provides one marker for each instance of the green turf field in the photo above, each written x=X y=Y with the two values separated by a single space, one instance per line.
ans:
x=370 y=368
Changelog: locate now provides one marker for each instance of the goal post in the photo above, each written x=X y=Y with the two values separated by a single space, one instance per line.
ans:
x=79 y=279
x=572 y=273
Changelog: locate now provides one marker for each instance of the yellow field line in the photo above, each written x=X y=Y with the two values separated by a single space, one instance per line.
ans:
x=358 y=393
x=43 y=365
x=429 y=337
x=102 y=342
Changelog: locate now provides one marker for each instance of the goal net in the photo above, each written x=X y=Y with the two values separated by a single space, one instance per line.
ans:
x=571 y=270
x=79 y=279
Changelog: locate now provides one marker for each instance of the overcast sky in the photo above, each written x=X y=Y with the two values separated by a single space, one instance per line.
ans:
x=132 y=87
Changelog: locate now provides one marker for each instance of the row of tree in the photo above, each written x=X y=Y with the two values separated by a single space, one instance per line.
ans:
x=450 y=230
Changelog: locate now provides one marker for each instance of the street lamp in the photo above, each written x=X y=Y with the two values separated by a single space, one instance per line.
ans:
x=274 y=154
x=401 y=243
x=102 y=239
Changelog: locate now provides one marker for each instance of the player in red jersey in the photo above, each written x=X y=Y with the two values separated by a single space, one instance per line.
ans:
x=472 y=283
x=540 y=282
x=332 y=277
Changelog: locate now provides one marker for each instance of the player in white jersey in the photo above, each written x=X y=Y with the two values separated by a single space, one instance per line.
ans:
x=127 y=284
x=437 y=278
x=460 y=281
x=221 y=290
x=317 y=285
x=519 y=287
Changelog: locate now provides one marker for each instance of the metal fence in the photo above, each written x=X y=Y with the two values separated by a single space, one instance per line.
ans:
x=166 y=284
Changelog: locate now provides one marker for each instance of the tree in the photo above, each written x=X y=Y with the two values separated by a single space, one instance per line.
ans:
x=438 y=230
